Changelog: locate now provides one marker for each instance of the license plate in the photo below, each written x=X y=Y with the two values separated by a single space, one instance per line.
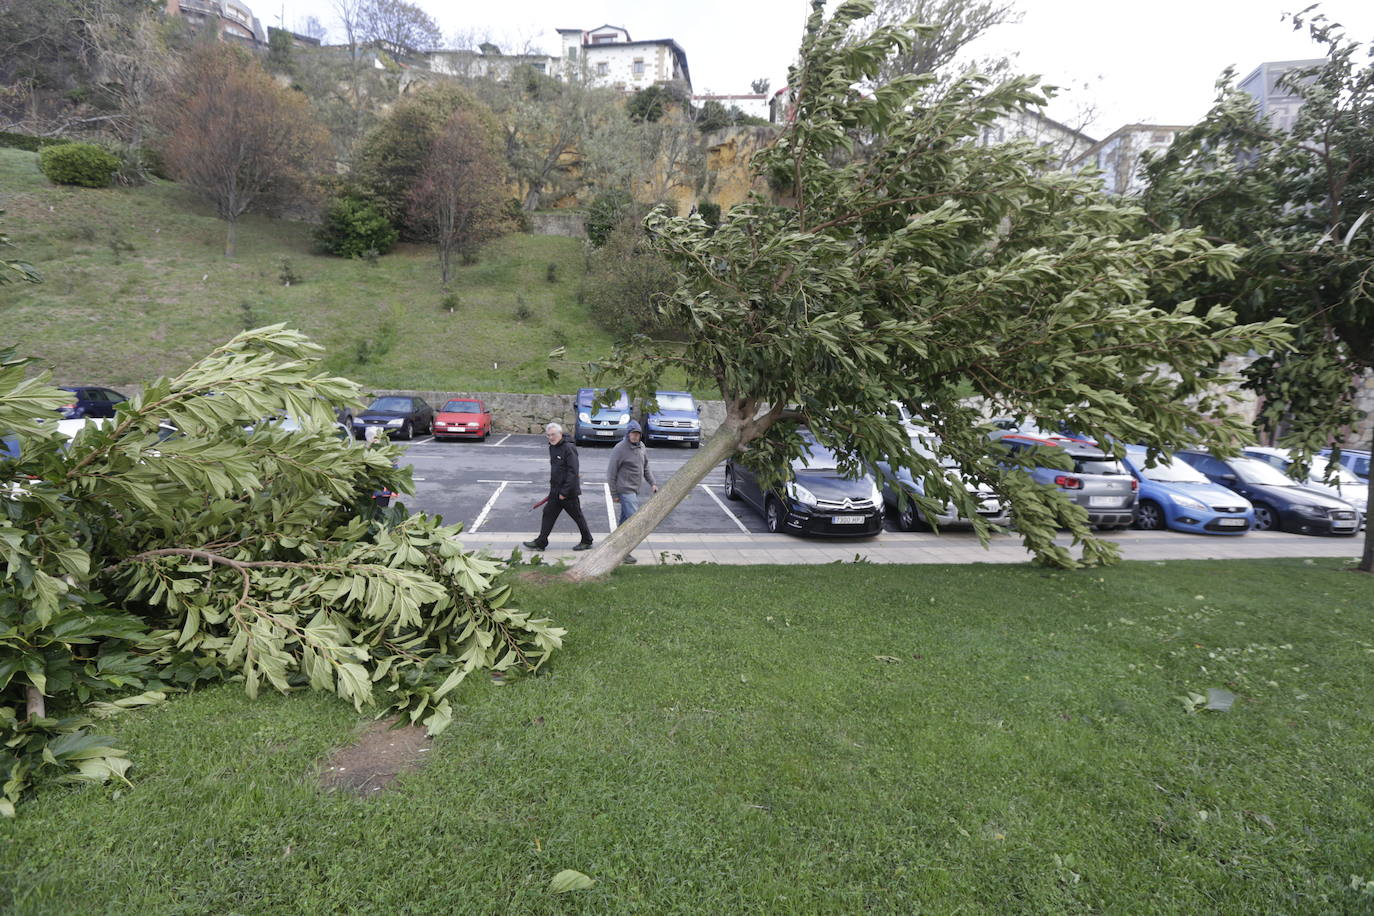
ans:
x=1231 y=522
x=847 y=520
x=603 y=432
x=1113 y=501
x=675 y=438
x=1342 y=524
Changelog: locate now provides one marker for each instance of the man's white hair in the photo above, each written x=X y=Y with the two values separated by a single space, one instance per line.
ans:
x=553 y=427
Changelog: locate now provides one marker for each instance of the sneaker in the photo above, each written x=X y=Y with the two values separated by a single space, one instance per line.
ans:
x=534 y=545
x=629 y=559
x=585 y=545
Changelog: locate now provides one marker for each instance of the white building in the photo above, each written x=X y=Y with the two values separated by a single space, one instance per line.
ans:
x=232 y=18
x=1117 y=156
x=607 y=56
x=1066 y=143
x=1278 y=104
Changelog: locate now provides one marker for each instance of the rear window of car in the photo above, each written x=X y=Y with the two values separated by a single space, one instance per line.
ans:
x=1098 y=466
x=462 y=407
x=391 y=404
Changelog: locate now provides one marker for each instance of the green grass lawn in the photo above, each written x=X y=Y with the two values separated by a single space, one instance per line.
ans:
x=136 y=285
x=841 y=739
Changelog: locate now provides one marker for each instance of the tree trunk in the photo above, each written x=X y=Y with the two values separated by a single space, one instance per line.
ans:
x=37 y=706
x=607 y=555
x=231 y=239
x=1367 y=561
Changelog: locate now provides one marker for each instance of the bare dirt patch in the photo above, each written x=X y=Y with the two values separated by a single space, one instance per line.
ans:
x=380 y=755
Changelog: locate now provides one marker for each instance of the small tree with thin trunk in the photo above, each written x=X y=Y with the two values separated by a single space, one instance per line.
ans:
x=459 y=201
x=236 y=137
x=930 y=270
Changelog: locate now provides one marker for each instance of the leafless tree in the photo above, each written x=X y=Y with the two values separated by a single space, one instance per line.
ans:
x=236 y=137
x=132 y=60
x=458 y=199
x=399 y=25
x=952 y=26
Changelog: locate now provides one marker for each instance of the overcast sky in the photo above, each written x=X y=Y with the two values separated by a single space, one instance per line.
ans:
x=1154 y=61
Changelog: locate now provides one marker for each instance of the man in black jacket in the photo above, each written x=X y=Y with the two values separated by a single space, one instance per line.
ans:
x=565 y=490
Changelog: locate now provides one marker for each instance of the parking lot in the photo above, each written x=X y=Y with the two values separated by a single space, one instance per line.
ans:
x=491 y=488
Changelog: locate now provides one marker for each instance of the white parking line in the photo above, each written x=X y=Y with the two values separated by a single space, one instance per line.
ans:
x=482 y=516
x=425 y=441
x=503 y=439
x=610 y=513
x=724 y=508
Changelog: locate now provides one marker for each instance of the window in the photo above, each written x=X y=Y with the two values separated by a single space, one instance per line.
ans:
x=639 y=67
x=602 y=68
x=604 y=38
x=572 y=52
x=538 y=66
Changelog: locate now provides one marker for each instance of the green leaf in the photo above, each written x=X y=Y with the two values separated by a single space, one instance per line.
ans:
x=569 y=880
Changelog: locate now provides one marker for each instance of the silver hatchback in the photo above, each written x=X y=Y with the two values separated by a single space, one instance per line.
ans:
x=1098 y=482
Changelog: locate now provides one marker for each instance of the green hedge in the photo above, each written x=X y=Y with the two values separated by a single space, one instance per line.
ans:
x=28 y=142
x=83 y=164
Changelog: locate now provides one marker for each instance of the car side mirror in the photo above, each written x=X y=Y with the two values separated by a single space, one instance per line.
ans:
x=1229 y=478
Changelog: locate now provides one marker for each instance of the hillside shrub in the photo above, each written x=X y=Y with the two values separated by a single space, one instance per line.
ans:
x=28 y=142
x=350 y=228
x=607 y=211
x=83 y=164
x=709 y=212
x=625 y=283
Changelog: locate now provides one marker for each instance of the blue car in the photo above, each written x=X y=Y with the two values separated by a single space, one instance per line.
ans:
x=676 y=420
x=1174 y=494
x=597 y=422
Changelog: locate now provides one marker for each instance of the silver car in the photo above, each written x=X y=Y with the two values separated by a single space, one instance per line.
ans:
x=1098 y=482
x=910 y=516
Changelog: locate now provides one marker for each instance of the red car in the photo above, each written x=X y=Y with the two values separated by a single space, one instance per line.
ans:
x=466 y=419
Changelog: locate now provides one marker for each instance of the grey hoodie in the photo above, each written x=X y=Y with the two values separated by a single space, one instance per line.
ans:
x=628 y=469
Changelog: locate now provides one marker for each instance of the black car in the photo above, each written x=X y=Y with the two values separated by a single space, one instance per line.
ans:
x=90 y=402
x=817 y=500
x=401 y=417
x=1281 y=503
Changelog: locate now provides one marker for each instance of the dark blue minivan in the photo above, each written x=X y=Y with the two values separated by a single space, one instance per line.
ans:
x=677 y=419
x=598 y=422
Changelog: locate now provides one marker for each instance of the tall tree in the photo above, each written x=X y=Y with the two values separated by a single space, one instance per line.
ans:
x=131 y=52
x=949 y=27
x=398 y=24
x=933 y=268
x=1301 y=202
x=458 y=200
x=236 y=137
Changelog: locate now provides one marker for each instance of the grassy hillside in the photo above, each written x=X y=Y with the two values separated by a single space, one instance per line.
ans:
x=136 y=285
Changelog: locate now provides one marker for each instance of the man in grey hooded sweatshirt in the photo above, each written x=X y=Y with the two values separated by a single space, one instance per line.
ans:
x=627 y=473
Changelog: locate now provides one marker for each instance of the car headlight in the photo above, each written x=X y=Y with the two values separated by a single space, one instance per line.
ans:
x=801 y=494
x=693 y=424
x=1187 y=502
x=1309 y=509
x=584 y=417
x=624 y=418
x=396 y=422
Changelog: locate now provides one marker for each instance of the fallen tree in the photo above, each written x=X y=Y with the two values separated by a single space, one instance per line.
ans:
x=926 y=270
x=137 y=564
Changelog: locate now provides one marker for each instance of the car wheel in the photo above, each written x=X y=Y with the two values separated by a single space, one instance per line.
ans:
x=695 y=444
x=731 y=491
x=1266 y=519
x=909 y=518
x=772 y=515
x=406 y=432
x=1149 y=516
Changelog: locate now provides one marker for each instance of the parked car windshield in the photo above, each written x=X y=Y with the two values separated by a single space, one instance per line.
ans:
x=586 y=399
x=391 y=404
x=1098 y=466
x=462 y=407
x=1342 y=476
x=675 y=402
x=1172 y=470
x=1257 y=472
x=816 y=457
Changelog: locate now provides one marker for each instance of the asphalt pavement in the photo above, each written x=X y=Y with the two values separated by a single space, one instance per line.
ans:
x=491 y=488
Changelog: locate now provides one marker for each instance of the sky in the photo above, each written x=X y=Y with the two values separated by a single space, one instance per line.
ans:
x=1155 y=61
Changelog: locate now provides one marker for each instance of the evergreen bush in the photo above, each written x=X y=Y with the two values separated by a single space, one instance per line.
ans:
x=351 y=228
x=83 y=164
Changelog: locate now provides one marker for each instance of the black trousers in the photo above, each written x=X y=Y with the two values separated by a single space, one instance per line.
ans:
x=573 y=506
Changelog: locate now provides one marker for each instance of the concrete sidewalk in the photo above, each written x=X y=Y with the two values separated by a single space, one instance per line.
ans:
x=951 y=547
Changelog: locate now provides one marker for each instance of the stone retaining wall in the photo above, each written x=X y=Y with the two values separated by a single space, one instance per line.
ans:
x=569 y=223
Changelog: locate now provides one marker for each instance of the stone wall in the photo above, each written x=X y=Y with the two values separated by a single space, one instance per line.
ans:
x=1359 y=435
x=568 y=223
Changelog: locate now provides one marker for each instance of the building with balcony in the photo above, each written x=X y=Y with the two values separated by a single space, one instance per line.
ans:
x=231 y=19
x=607 y=56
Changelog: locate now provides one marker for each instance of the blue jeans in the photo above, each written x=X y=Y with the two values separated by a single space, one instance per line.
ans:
x=629 y=505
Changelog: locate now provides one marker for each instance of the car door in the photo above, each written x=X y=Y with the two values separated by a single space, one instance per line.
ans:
x=95 y=403
x=747 y=483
